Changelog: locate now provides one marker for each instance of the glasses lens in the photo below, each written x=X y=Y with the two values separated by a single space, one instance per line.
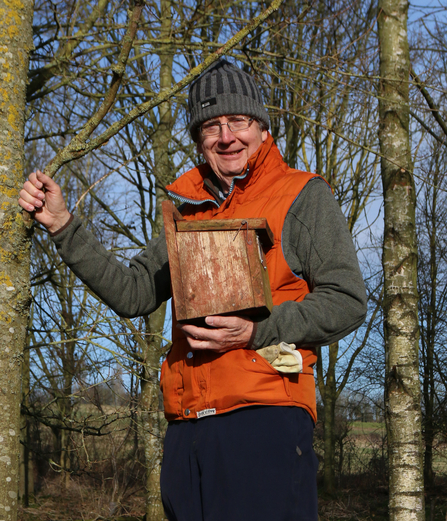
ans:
x=238 y=124
x=211 y=130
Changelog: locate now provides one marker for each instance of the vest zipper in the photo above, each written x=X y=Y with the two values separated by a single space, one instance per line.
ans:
x=191 y=201
x=234 y=179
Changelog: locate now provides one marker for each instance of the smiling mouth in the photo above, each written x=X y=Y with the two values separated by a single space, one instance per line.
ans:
x=233 y=153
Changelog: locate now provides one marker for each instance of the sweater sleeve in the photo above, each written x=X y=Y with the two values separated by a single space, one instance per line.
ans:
x=318 y=247
x=134 y=290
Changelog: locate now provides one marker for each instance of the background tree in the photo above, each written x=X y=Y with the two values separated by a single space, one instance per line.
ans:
x=432 y=287
x=402 y=390
x=427 y=46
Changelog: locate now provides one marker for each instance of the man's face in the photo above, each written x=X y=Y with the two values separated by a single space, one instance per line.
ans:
x=227 y=153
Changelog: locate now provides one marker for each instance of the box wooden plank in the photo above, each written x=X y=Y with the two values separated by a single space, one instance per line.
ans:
x=217 y=267
x=259 y=224
x=259 y=274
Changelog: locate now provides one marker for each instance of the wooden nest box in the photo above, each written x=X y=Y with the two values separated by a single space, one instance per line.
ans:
x=217 y=266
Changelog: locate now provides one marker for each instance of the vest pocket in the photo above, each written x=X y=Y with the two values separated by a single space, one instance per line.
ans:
x=258 y=363
x=288 y=380
x=261 y=365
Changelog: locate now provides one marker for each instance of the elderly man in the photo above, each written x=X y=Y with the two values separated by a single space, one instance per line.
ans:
x=239 y=441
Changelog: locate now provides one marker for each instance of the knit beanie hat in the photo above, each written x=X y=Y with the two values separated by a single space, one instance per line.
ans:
x=221 y=90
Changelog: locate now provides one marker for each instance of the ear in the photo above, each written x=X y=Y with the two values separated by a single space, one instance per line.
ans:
x=264 y=135
x=199 y=147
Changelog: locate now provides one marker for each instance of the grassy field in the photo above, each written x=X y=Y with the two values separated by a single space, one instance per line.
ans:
x=367 y=428
x=362 y=493
x=359 y=500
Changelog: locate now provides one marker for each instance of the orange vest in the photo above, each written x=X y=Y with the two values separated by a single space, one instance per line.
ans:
x=200 y=383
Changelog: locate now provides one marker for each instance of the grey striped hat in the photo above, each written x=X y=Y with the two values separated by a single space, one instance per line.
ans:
x=221 y=90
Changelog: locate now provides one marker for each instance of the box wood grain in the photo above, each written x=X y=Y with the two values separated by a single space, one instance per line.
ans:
x=217 y=266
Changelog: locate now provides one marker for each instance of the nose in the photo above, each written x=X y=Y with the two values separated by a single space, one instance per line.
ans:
x=226 y=136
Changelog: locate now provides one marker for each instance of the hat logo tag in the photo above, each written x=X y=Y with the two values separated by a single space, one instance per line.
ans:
x=208 y=103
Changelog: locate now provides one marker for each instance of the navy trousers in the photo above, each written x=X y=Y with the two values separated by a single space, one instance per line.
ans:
x=252 y=464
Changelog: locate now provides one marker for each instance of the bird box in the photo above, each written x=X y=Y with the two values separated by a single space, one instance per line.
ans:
x=217 y=267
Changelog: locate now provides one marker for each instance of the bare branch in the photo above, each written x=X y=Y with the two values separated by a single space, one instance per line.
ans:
x=78 y=147
x=430 y=102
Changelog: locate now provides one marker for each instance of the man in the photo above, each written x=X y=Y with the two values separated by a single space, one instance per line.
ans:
x=239 y=441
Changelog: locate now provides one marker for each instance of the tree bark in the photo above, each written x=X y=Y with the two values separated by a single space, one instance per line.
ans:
x=15 y=42
x=329 y=395
x=401 y=330
x=150 y=386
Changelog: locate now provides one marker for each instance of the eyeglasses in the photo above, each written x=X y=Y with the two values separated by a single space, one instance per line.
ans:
x=237 y=124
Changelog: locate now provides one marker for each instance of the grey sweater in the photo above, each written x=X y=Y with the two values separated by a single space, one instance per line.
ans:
x=317 y=246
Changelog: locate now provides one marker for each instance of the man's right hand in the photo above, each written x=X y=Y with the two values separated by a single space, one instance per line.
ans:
x=49 y=206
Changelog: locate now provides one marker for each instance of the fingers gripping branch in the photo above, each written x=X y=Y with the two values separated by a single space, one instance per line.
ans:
x=42 y=197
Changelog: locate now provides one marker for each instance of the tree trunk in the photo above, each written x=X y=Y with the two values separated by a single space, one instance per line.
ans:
x=150 y=389
x=65 y=403
x=328 y=392
x=150 y=404
x=64 y=459
x=431 y=330
x=16 y=41
x=402 y=387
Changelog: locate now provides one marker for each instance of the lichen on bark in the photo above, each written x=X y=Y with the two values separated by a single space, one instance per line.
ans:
x=15 y=43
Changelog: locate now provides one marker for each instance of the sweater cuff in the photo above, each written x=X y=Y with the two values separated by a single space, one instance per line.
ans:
x=252 y=337
x=66 y=225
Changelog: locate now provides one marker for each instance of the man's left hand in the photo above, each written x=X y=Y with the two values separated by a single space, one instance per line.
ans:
x=228 y=332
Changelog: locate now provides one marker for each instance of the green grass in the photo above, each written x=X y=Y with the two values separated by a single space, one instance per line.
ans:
x=365 y=428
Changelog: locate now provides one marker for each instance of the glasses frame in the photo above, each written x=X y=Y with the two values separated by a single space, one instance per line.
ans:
x=228 y=123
